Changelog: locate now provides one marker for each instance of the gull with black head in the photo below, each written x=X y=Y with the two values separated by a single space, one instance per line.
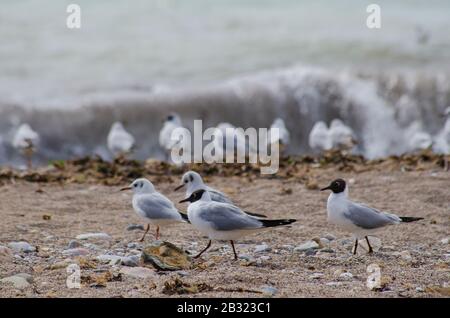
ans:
x=224 y=221
x=192 y=181
x=154 y=207
x=357 y=218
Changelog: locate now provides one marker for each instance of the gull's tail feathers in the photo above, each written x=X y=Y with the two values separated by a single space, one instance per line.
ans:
x=407 y=219
x=272 y=223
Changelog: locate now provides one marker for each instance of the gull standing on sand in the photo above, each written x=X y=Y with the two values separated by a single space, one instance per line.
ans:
x=154 y=207
x=283 y=136
x=342 y=136
x=26 y=140
x=224 y=221
x=360 y=220
x=319 y=137
x=172 y=122
x=192 y=181
x=120 y=141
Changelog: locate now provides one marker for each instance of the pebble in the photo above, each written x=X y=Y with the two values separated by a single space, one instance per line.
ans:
x=262 y=248
x=268 y=290
x=324 y=241
x=111 y=259
x=311 y=252
x=20 y=281
x=265 y=258
x=131 y=261
x=406 y=256
x=134 y=227
x=334 y=284
x=310 y=245
x=420 y=289
x=21 y=247
x=137 y=272
x=327 y=250
x=132 y=245
x=93 y=236
x=183 y=273
x=346 y=276
x=445 y=240
x=74 y=244
x=75 y=252
x=288 y=247
x=316 y=276
x=329 y=237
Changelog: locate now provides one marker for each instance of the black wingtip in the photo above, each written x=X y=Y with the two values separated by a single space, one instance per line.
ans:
x=272 y=223
x=184 y=216
x=256 y=214
x=407 y=219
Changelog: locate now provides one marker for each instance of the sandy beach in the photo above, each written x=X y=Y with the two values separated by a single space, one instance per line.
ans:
x=49 y=215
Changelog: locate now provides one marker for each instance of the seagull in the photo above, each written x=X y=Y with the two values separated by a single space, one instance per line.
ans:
x=442 y=140
x=417 y=138
x=153 y=206
x=319 y=137
x=357 y=218
x=342 y=136
x=119 y=140
x=26 y=140
x=224 y=221
x=283 y=136
x=229 y=140
x=172 y=122
x=193 y=182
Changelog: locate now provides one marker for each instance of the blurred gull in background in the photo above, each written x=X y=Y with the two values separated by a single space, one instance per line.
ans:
x=120 y=142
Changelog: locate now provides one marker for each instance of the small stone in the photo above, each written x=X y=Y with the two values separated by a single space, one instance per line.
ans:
x=262 y=248
x=311 y=252
x=166 y=256
x=183 y=273
x=406 y=256
x=21 y=247
x=329 y=237
x=111 y=259
x=287 y=247
x=310 y=245
x=324 y=241
x=137 y=272
x=74 y=244
x=131 y=261
x=268 y=290
x=75 y=252
x=265 y=258
x=19 y=282
x=134 y=227
x=346 y=276
x=327 y=250
x=420 y=289
x=132 y=245
x=315 y=276
x=94 y=236
x=445 y=240
x=334 y=284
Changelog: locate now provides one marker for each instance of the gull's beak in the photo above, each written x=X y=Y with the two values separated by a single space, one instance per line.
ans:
x=326 y=188
x=179 y=187
x=185 y=200
x=126 y=188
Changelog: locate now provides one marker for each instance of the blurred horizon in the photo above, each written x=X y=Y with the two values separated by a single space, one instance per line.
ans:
x=123 y=47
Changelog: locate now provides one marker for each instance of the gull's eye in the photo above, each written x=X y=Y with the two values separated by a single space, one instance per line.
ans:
x=185 y=181
x=135 y=185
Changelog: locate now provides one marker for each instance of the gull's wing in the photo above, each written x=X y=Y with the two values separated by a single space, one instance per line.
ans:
x=218 y=196
x=227 y=217
x=369 y=218
x=157 y=206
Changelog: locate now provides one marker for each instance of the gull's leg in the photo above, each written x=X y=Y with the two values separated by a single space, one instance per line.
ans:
x=356 y=246
x=207 y=246
x=146 y=231
x=234 y=250
x=370 y=247
x=157 y=232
